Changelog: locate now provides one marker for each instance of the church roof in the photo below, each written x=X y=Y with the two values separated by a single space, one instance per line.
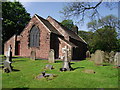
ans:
x=49 y=26
x=53 y=30
x=70 y=32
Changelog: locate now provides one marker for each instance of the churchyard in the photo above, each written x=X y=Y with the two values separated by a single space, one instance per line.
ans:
x=85 y=74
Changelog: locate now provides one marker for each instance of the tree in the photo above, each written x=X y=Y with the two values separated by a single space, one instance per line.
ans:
x=69 y=24
x=15 y=17
x=109 y=20
x=85 y=9
x=88 y=37
x=105 y=39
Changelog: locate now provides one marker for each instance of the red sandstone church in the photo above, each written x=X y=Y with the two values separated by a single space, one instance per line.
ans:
x=40 y=35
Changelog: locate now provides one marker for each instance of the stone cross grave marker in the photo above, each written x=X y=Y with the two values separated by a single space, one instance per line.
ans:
x=117 y=59
x=66 y=61
x=33 y=55
x=9 y=54
x=99 y=57
x=51 y=58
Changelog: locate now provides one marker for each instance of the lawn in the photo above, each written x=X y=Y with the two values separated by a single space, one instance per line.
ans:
x=26 y=70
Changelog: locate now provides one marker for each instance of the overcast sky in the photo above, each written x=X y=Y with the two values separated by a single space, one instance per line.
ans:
x=45 y=9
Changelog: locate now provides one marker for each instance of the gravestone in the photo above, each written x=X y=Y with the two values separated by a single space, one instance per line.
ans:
x=33 y=55
x=88 y=54
x=111 y=56
x=117 y=59
x=66 y=61
x=51 y=58
x=7 y=67
x=99 y=57
x=92 y=57
x=7 y=63
x=47 y=76
x=69 y=55
x=49 y=67
x=9 y=54
x=106 y=57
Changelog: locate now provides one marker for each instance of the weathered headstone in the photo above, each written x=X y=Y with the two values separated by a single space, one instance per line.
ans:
x=49 y=67
x=66 y=61
x=33 y=55
x=7 y=63
x=92 y=57
x=88 y=54
x=51 y=58
x=99 y=57
x=111 y=56
x=7 y=67
x=69 y=55
x=117 y=59
x=9 y=54
x=47 y=76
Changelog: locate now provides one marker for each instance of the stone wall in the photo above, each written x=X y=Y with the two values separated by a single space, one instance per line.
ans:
x=41 y=51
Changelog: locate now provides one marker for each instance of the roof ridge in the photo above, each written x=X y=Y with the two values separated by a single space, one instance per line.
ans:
x=71 y=33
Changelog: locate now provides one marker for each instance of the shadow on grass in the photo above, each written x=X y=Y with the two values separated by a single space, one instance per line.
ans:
x=58 y=61
x=1 y=66
x=40 y=59
x=17 y=61
x=78 y=68
x=24 y=88
x=72 y=63
x=15 y=70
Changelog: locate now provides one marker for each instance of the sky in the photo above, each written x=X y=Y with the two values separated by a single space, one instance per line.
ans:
x=45 y=9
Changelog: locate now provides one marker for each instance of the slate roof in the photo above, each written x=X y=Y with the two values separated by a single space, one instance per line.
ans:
x=70 y=32
x=49 y=26
x=53 y=30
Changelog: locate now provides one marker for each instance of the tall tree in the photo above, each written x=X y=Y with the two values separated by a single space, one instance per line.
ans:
x=85 y=9
x=105 y=39
x=15 y=17
x=109 y=20
x=88 y=37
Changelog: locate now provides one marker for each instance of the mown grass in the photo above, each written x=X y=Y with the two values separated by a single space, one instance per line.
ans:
x=27 y=70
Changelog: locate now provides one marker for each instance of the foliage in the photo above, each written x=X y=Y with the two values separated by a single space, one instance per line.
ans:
x=14 y=17
x=85 y=9
x=68 y=23
x=88 y=37
x=109 y=20
x=104 y=39
x=25 y=78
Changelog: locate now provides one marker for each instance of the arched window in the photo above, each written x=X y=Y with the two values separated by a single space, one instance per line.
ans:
x=34 y=37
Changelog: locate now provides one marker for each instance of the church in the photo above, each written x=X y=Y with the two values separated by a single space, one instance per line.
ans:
x=40 y=35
